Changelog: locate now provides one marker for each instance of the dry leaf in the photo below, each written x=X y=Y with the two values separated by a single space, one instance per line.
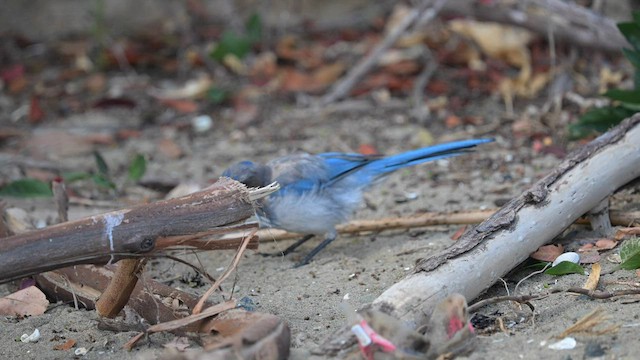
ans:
x=28 y=301
x=594 y=277
x=181 y=105
x=66 y=345
x=548 y=252
x=606 y=244
x=169 y=148
x=459 y=233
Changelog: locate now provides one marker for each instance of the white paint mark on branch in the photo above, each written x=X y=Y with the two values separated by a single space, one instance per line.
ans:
x=110 y=222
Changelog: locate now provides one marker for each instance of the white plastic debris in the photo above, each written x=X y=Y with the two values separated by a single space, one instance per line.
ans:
x=568 y=256
x=202 y=123
x=81 y=351
x=567 y=343
x=34 y=337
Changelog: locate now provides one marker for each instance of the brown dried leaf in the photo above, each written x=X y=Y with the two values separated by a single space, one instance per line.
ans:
x=548 y=252
x=28 y=301
x=606 y=244
x=594 y=277
x=66 y=345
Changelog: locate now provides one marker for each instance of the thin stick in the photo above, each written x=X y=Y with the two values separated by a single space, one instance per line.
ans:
x=618 y=218
x=342 y=87
x=119 y=290
x=234 y=263
x=594 y=294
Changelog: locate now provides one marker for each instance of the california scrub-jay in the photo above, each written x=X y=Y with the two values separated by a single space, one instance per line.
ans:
x=318 y=192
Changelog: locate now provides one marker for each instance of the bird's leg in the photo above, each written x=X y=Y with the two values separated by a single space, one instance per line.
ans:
x=291 y=248
x=327 y=240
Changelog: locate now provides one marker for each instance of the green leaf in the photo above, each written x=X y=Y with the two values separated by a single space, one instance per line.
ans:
x=217 y=95
x=626 y=96
x=231 y=43
x=254 y=28
x=636 y=17
x=103 y=181
x=564 y=268
x=73 y=176
x=631 y=31
x=630 y=254
x=633 y=57
x=101 y=164
x=137 y=168
x=598 y=120
x=25 y=188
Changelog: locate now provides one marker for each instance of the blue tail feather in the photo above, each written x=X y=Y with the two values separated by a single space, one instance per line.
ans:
x=368 y=168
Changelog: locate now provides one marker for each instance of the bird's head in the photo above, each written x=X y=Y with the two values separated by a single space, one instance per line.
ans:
x=249 y=173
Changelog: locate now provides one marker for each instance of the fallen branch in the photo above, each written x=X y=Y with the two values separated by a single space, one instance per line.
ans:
x=618 y=218
x=234 y=263
x=485 y=253
x=566 y=21
x=427 y=10
x=523 y=299
x=116 y=295
x=125 y=233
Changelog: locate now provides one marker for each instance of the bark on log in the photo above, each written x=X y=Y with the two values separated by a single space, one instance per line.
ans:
x=119 y=234
x=568 y=22
x=490 y=250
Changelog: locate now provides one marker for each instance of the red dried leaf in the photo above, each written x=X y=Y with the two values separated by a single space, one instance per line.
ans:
x=458 y=233
x=452 y=121
x=36 y=114
x=367 y=149
x=547 y=252
x=181 y=105
x=12 y=73
x=66 y=345
x=114 y=102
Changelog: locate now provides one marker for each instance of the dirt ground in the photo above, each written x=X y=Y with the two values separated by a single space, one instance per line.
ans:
x=357 y=268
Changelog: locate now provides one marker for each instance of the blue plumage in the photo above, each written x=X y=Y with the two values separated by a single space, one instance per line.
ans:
x=321 y=191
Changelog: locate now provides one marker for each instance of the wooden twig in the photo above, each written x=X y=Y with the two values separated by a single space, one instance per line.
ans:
x=618 y=218
x=127 y=232
x=568 y=21
x=182 y=322
x=522 y=299
x=225 y=275
x=116 y=295
x=427 y=9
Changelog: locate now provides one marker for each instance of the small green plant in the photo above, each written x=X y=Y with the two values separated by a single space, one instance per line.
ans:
x=626 y=102
x=26 y=188
x=239 y=45
x=103 y=177
x=630 y=254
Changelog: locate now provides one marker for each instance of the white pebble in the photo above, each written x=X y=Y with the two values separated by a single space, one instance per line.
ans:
x=202 y=123
x=567 y=343
x=34 y=337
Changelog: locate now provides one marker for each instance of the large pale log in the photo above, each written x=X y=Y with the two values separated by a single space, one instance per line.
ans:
x=490 y=250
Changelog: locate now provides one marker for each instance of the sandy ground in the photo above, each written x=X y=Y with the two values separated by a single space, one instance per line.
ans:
x=357 y=267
